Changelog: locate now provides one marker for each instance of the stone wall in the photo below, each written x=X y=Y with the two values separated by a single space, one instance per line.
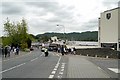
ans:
x=99 y=52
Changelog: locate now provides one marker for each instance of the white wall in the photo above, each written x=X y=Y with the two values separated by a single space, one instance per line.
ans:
x=109 y=28
x=119 y=23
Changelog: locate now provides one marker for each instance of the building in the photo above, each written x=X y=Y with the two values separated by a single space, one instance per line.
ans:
x=54 y=39
x=109 y=29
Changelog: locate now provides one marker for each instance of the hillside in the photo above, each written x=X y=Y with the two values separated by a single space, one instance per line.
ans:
x=83 y=36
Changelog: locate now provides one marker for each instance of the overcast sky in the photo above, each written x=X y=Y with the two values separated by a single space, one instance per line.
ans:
x=43 y=15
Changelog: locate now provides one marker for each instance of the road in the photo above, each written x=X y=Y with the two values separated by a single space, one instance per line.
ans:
x=36 y=65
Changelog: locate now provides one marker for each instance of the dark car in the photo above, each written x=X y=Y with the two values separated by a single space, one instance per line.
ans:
x=53 y=47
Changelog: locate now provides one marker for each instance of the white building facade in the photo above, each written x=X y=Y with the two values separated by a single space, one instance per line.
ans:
x=109 y=29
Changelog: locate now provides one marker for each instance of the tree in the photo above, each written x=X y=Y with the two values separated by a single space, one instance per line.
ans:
x=16 y=33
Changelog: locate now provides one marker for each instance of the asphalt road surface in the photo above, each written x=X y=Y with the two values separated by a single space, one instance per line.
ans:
x=35 y=65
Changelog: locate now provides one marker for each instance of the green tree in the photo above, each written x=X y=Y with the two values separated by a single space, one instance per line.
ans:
x=16 y=33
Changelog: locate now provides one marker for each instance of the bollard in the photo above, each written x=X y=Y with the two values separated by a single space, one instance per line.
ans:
x=107 y=57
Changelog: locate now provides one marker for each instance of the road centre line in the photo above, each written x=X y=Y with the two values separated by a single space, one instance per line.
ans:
x=55 y=69
x=13 y=68
x=34 y=59
x=17 y=65
x=53 y=72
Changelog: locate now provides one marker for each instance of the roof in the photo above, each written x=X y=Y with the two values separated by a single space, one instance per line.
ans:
x=111 y=9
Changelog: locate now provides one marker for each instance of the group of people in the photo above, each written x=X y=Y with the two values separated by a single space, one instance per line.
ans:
x=64 y=50
x=7 y=50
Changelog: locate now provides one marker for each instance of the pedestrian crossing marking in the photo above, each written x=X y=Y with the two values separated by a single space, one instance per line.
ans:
x=51 y=76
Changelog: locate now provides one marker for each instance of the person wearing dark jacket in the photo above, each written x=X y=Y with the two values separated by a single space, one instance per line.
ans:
x=6 y=51
x=46 y=52
x=62 y=50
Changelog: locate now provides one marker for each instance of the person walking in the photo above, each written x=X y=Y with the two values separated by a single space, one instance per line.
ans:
x=3 y=51
x=6 y=51
x=46 y=52
x=9 y=50
x=62 y=50
x=74 y=50
x=17 y=51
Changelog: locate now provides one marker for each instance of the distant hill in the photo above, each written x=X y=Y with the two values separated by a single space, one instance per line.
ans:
x=83 y=36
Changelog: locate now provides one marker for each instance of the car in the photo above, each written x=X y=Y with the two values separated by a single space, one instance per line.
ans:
x=53 y=47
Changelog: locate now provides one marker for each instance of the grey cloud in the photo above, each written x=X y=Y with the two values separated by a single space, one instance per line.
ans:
x=11 y=8
x=109 y=3
x=40 y=27
x=48 y=6
x=61 y=13
x=119 y=4
x=90 y=24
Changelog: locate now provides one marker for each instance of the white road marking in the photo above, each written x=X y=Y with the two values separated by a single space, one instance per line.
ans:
x=59 y=76
x=63 y=63
x=53 y=72
x=62 y=69
x=60 y=72
x=99 y=68
x=51 y=76
x=59 y=60
x=42 y=54
x=12 y=68
x=57 y=55
x=34 y=59
x=55 y=69
x=116 y=70
x=57 y=65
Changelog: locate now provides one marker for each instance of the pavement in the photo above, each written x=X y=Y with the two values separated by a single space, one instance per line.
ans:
x=36 y=65
x=111 y=66
x=80 y=67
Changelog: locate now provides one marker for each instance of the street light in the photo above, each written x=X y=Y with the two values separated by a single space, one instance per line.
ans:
x=63 y=28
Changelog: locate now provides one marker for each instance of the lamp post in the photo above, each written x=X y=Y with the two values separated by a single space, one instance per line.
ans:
x=64 y=30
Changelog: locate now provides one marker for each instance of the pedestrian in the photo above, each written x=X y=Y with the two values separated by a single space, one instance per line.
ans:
x=74 y=50
x=46 y=52
x=69 y=50
x=3 y=51
x=58 y=49
x=17 y=50
x=9 y=50
x=62 y=50
x=14 y=51
x=6 y=51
